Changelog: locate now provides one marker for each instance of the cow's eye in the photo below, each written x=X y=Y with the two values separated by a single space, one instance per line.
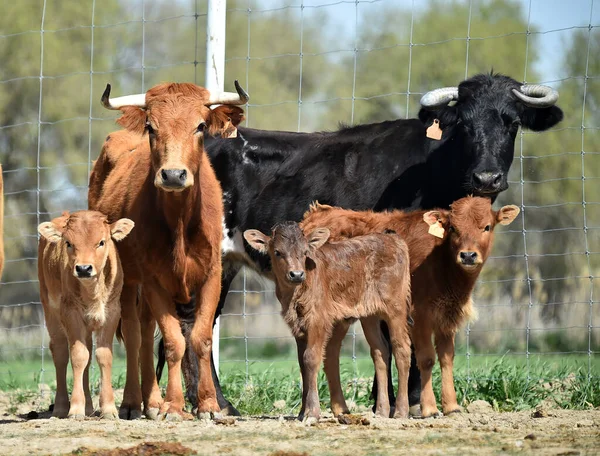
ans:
x=451 y=229
x=68 y=244
x=487 y=228
x=277 y=253
x=201 y=127
x=101 y=243
x=149 y=128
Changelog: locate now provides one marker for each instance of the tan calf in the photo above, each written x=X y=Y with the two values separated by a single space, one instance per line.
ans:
x=81 y=279
x=447 y=254
x=320 y=284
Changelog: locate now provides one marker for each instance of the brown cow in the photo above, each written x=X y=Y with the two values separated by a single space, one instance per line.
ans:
x=80 y=283
x=319 y=285
x=444 y=265
x=169 y=189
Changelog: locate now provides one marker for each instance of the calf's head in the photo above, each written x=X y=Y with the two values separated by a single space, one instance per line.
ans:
x=288 y=248
x=175 y=118
x=87 y=238
x=470 y=223
x=488 y=110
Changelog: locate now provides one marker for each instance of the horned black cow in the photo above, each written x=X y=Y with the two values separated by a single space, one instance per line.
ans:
x=269 y=176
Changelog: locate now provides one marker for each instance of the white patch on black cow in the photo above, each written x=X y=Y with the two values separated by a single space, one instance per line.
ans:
x=232 y=246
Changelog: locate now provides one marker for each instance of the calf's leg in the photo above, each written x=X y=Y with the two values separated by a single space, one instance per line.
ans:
x=332 y=367
x=444 y=344
x=425 y=353
x=301 y=348
x=89 y=405
x=380 y=354
x=80 y=356
x=313 y=357
x=104 y=356
x=59 y=347
x=131 y=407
x=400 y=340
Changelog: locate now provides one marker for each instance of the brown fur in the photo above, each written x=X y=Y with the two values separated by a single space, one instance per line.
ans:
x=365 y=277
x=441 y=286
x=75 y=307
x=176 y=250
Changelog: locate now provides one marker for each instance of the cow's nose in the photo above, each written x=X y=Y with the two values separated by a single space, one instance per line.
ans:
x=487 y=181
x=84 y=270
x=175 y=178
x=296 y=276
x=468 y=258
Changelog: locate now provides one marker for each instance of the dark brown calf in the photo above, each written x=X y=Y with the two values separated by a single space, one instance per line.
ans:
x=447 y=254
x=319 y=285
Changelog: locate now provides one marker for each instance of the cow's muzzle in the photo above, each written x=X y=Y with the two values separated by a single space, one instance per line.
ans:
x=174 y=180
x=84 y=271
x=489 y=183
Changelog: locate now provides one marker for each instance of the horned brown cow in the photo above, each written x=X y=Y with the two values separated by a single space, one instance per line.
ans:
x=319 y=285
x=81 y=279
x=447 y=254
x=169 y=189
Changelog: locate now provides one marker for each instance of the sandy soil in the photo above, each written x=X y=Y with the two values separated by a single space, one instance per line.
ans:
x=478 y=431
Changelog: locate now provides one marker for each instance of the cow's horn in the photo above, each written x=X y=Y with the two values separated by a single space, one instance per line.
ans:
x=138 y=99
x=230 y=98
x=536 y=95
x=439 y=97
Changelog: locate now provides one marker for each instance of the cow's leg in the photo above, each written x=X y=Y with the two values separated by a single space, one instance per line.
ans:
x=313 y=357
x=207 y=301
x=425 y=353
x=80 y=356
x=163 y=310
x=379 y=353
x=131 y=407
x=414 y=379
x=151 y=395
x=104 y=356
x=444 y=344
x=59 y=347
x=332 y=367
x=301 y=348
x=89 y=404
x=400 y=340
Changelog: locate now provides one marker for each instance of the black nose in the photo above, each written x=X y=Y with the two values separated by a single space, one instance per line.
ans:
x=296 y=276
x=487 y=182
x=173 y=177
x=84 y=270
x=468 y=257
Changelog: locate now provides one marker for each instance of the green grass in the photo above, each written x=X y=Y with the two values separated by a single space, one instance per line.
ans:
x=267 y=387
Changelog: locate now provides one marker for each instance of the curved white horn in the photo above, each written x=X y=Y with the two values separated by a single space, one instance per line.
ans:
x=138 y=99
x=537 y=95
x=439 y=97
x=230 y=98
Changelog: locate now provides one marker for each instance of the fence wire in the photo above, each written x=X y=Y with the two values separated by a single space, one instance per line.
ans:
x=307 y=65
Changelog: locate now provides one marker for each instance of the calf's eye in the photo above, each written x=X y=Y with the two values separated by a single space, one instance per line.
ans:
x=277 y=253
x=201 y=127
x=101 y=243
x=487 y=228
x=68 y=244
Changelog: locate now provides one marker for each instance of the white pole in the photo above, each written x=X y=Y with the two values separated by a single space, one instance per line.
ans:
x=213 y=81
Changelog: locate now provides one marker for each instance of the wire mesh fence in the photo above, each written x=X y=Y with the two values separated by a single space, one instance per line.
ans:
x=309 y=65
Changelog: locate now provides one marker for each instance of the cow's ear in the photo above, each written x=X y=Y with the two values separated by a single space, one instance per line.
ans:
x=257 y=240
x=223 y=120
x=433 y=217
x=50 y=232
x=540 y=119
x=507 y=214
x=121 y=228
x=317 y=238
x=448 y=115
x=133 y=119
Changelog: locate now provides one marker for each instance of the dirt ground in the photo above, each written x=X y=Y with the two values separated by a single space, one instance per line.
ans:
x=478 y=431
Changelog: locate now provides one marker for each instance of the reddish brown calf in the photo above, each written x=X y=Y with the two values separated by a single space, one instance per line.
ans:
x=444 y=271
x=81 y=279
x=320 y=285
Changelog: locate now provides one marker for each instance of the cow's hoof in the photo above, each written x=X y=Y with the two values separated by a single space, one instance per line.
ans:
x=414 y=411
x=152 y=413
x=205 y=415
x=431 y=415
x=77 y=416
x=173 y=417
x=128 y=413
x=229 y=410
x=310 y=421
x=457 y=411
x=109 y=415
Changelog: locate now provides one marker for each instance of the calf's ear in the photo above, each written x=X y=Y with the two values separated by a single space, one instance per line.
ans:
x=121 y=228
x=257 y=240
x=223 y=120
x=507 y=214
x=317 y=238
x=50 y=232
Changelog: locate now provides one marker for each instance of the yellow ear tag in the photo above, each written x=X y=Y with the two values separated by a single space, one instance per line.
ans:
x=437 y=230
x=434 y=131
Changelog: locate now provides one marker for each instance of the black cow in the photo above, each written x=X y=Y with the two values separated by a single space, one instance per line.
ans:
x=269 y=176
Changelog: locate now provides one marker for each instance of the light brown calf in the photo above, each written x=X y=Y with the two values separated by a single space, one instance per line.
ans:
x=80 y=283
x=319 y=285
x=444 y=271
